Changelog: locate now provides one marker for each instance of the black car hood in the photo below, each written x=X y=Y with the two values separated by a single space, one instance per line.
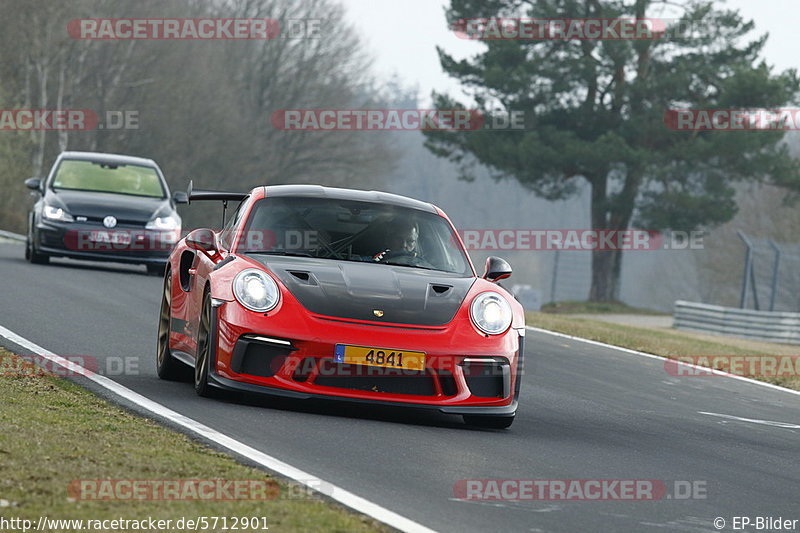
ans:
x=362 y=290
x=125 y=208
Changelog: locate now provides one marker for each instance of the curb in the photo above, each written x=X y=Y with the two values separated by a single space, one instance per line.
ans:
x=13 y=236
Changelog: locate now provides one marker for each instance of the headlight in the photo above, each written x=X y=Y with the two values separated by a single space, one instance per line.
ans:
x=491 y=313
x=256 y=290
x=56 y=213
x=164 y=223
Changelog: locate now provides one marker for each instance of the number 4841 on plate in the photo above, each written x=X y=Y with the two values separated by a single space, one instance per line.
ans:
x=365 y=355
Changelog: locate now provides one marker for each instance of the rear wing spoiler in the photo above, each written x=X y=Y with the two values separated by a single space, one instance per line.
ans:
x=200 y=194
x=192 y=194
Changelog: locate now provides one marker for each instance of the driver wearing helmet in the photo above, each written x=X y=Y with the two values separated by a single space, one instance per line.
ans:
x=403 y=242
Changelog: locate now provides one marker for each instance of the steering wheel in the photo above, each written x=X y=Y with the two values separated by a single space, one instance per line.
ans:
x=405 y=257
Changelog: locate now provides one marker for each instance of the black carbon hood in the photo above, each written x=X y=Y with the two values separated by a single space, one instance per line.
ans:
x=362 y=291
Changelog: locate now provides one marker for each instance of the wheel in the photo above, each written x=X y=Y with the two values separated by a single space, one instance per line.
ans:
x=155 y=270
x=167 y=366
x=203 y=359
x=489 y=421
x=31 y=254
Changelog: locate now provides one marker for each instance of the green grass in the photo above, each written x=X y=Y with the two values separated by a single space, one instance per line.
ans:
x=571 y=308
x=665 y=343
x=54 y=432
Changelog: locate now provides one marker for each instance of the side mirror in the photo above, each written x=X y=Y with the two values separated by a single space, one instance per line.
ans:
x=35 y=184
x=203 y=240
x=496 y=269
x=180 y=197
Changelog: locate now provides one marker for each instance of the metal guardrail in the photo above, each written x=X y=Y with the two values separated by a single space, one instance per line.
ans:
x=759 y=325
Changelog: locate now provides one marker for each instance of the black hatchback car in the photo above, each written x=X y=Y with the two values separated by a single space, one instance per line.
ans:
x=103 y=207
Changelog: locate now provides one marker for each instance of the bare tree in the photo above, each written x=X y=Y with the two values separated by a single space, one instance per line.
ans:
x=203 y=107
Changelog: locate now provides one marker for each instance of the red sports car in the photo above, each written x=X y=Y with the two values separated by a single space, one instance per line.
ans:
x=362 y=296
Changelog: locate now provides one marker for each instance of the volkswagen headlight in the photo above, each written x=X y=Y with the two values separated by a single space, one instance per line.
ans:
x=255 y=290
x=170 y=222
x=490 y=313
x=52 y=212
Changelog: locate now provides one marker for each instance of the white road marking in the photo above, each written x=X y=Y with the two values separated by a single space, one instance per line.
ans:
x=528 y=506
x=661 y=358
x=754 y=420
x=339 y=494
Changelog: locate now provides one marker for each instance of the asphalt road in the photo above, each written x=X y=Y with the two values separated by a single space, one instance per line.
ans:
x=586 y=412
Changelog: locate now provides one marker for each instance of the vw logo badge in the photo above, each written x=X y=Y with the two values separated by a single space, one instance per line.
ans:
x=109 y=222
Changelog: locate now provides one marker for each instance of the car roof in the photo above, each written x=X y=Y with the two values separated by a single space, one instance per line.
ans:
x=108 y=158
x=318 y=191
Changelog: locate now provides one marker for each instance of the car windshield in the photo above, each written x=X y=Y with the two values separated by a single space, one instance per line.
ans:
x=96 y=176
x=353 y=231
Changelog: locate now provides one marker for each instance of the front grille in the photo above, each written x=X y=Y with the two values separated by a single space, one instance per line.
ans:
x=120 y=222
x=374 y=379
x=304 y=369
x=447 y=382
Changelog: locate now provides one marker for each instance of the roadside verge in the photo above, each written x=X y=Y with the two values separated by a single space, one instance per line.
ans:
x=671 y=344
x=217 y=439
x=68 y=456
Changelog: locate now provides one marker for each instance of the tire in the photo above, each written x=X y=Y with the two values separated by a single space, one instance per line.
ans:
x=168 y=367
x=155 y=270
x=203 y=359
x=489 y=421
x=31 y=254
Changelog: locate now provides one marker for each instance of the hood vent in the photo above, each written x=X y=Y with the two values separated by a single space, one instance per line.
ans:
x=303 y=277
x=439 y=290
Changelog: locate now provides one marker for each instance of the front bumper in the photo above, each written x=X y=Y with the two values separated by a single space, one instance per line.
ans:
x=465 y=373
x=238 y=386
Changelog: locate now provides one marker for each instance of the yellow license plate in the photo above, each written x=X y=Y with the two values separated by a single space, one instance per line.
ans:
x=364 y=355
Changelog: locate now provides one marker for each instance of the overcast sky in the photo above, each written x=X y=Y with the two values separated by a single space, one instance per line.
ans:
x=402 y=36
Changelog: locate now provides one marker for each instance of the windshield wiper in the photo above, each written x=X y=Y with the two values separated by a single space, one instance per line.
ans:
x=410 y=266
